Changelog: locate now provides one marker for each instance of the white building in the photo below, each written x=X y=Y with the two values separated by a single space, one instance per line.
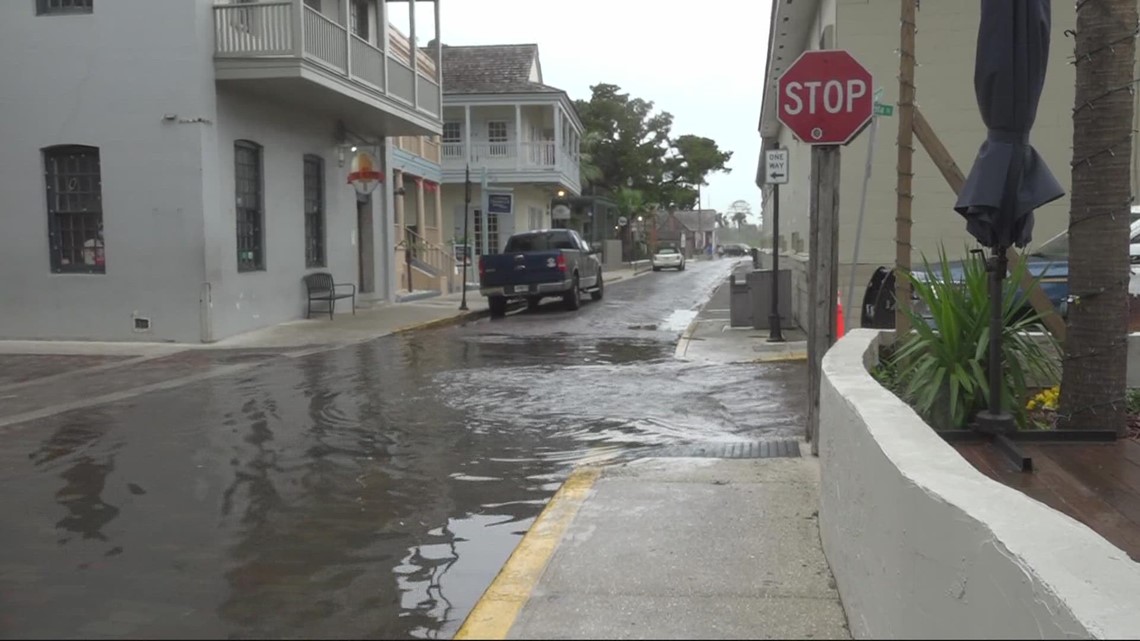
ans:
x=173 y=168
x=499 y=116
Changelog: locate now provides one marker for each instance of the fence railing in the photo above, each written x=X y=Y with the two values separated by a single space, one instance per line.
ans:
x=439 y=259
x=524 y=155
x=281 y=28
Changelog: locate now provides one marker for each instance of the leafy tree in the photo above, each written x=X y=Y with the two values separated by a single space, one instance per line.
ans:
x=629 y=145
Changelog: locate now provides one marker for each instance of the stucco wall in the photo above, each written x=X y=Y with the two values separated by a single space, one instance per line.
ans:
x=243 y=301
x=526 y=197
x=922 y=545
x=63 y=83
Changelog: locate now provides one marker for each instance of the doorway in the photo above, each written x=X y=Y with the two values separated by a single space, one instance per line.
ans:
x=365 y=257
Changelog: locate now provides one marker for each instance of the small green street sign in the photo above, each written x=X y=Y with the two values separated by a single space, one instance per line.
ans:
x=884 y=110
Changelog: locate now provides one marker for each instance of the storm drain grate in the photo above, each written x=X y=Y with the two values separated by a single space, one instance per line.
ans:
x=785 y=448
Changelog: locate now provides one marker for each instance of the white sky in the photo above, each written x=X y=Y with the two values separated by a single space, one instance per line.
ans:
x=704 y=63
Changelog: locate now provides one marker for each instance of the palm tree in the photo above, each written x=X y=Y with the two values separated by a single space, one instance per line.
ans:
x=587 y=169
x=739 y=218
x=1094 y=380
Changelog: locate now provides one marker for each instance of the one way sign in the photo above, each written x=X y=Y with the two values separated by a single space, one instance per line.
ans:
x=776 y=166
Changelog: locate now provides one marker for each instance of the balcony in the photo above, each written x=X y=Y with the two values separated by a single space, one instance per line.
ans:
x=423 y=146
x=298 y=54
x=541 y=161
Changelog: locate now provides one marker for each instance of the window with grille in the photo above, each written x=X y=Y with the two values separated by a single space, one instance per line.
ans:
x=314 y=212
x=75 y=209
x=452 y=132
x=57 y=7
x=249 y=192
x=358 y=18
x=497 y=136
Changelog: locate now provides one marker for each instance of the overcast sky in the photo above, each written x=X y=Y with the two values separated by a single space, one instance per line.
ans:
x=702 y=63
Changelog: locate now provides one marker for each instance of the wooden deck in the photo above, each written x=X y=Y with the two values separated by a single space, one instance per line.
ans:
x=1096 y=483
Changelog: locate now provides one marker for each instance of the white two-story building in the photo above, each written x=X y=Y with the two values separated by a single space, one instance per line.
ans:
x=500 y=117
x=174 y=168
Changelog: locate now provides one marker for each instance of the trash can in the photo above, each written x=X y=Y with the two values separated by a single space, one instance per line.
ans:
x=760 y=293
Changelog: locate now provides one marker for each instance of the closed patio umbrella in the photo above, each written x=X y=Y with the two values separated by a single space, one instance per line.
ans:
x=1009 y=179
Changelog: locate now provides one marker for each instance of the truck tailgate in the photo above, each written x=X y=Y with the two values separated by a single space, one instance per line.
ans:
x=525 y=268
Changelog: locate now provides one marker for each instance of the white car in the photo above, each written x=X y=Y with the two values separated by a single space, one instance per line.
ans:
x=668 y=258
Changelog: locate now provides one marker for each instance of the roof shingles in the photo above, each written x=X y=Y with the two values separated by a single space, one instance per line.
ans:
x=492 y=69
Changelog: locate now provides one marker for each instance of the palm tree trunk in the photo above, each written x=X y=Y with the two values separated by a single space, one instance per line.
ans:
x=1094 y=381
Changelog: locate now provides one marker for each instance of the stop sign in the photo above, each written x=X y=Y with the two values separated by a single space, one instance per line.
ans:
x=825 y=97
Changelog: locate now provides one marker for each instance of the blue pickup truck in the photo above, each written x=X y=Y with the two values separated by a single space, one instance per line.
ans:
x=541 y=264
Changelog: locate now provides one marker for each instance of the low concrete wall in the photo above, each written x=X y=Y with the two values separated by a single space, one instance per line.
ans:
x=922 y=545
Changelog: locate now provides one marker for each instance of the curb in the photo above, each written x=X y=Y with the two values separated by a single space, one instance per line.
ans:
x=457 y=319
x=499 y=606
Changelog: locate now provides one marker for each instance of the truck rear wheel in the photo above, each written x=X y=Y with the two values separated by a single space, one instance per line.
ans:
x=498 y=305
x=573 y=298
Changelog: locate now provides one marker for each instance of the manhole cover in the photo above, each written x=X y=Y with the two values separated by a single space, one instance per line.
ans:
x=784 y=448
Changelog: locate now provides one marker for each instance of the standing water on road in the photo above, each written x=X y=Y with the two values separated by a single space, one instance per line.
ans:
x=371 y=491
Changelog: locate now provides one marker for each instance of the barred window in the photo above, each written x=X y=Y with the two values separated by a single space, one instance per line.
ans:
x=249 y=189
x=75 y=209
x=358 y=19
x=55 y=7
x=314 y=212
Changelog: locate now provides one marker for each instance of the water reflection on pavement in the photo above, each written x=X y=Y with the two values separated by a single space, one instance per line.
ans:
x=372 y=491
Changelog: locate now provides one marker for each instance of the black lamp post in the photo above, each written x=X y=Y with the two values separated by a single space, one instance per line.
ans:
x=466 y=234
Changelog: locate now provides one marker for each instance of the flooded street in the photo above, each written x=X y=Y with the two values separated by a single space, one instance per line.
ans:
x=371 y=491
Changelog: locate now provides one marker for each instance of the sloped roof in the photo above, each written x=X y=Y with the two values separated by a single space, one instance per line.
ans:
x=702 y=220
x=492 y=69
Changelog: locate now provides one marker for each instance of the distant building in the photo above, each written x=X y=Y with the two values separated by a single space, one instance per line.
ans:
x=501 y=117
x=173 y=169
x=691 y=231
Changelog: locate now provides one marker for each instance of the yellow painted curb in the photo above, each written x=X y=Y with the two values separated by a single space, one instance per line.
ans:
x=781 y=358
x=496 y=611
x=447 y=321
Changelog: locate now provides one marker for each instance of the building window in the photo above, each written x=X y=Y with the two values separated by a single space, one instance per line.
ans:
x=497 y=137
x=452 y=132
x=315 y=5
x=314 y=211
x=358 y=18
x=75 y=209
x=249 y=191
x=58 y=7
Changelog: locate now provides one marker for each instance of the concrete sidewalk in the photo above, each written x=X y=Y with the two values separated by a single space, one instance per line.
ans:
x=716 y=541
x=300 y=337
x=711 y=338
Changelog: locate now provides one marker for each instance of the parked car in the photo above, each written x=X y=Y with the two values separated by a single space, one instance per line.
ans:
x=668 y=258
x=541 y=264
x=1049 y=262
x=734 y=249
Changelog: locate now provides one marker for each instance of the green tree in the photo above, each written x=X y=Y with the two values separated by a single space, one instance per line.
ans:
x=629 y=145
x=628 y=140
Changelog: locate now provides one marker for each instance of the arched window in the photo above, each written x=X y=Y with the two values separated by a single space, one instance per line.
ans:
x=75 y=208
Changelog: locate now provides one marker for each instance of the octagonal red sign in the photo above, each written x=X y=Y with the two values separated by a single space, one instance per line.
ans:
x=825 y=97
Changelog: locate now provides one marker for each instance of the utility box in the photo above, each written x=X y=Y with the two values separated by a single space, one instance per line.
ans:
x=611 y=254
x=750 y=302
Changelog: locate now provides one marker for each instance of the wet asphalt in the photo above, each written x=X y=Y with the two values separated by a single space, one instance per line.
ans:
x=371 y=491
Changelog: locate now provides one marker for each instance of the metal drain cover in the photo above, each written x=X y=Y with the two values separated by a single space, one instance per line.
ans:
x=783 y=448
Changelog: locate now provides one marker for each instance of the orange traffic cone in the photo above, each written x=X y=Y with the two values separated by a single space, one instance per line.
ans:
x=838 y=316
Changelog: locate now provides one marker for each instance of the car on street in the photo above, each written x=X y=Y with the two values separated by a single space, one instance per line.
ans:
x=668 y=258
x=540 y=264
x=1049 y=263
x=734 y=249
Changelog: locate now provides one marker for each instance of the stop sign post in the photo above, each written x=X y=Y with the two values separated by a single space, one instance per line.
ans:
x=825 y=99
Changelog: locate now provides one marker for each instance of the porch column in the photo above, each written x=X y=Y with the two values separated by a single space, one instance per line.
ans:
x=344 y=12
x=518 y=137
x=438 y=57
x=421 y=208
x=467 y=133
x=415 y=54
x=558 y=134
x=385 y=45
x=439 y=214
x=397 y=183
